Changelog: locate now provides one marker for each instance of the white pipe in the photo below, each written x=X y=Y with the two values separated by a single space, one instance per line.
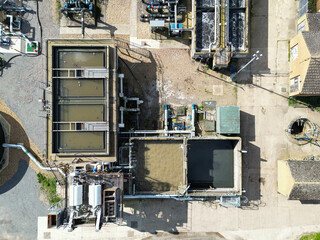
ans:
x=175 y=16
x=70 y=223
x=159 y=132
x=19 y=146
x=175 y=197
x=11 y=22
x=215 y=26
x=98 y=213
x=121 y=76
x=166 y=118
x=193 y=117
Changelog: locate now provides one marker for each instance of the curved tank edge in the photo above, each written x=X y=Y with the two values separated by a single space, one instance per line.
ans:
x=6 y=129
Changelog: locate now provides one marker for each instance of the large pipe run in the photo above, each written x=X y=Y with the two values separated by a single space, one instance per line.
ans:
x=19 y=146
x=175 y=197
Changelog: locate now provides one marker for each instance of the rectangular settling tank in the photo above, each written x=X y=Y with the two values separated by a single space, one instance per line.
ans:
x=159 y=165
x=77 y=100
x=214 y=164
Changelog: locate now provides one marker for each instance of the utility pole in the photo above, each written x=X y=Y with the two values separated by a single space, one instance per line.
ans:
x=255 y=56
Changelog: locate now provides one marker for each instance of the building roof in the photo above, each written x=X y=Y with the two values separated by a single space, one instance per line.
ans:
x=228 y=120
x=306 y=180
x=311 y=85
x=314 y=22
x=313 y=43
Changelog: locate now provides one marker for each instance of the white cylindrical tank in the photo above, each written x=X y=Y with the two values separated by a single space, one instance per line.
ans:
x=75 y=193
x=94 y=195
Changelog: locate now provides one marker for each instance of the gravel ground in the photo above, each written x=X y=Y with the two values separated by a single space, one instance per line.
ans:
x=20 y=205
x=19 y=83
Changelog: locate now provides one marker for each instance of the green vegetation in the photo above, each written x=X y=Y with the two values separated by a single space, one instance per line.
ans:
x=312 y=6
x=314 y=236
x=58 y=10
x=49 y=186
x=311 y=102
x=235 y=89
x=292 y=102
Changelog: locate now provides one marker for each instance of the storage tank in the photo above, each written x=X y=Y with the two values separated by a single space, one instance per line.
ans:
x=2 y=141
x=75 y=195
x=94 y=195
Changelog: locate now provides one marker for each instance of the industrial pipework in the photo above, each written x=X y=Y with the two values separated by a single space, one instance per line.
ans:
x=19 y=146
x=165 y=11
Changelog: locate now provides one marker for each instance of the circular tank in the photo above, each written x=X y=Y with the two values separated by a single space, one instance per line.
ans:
x=2 y=140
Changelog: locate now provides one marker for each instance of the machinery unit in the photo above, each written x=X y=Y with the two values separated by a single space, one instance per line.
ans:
x=82 y=8
x=165 y=16
x=78 y=6
x=90 y=199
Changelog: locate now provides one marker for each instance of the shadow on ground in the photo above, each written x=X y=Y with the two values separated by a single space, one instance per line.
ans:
x=251 y=161
x=140 y=80
x=258 y=41
x=156 y=215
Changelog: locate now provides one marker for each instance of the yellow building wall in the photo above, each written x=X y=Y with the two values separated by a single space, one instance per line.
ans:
x=299 y=66
x=285 y=181
x=304 y=17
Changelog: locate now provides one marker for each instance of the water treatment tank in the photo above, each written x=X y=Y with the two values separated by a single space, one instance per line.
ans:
x=75 y=195
x=2 y=141
x=94 y=195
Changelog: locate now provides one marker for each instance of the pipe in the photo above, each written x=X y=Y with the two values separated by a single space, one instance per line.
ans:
x=70 y=223
x=175 y=197
x=121 y=76
x=82 y=22
x=166 y=117
x=11 y=22
x=98 y=220
x=122 y=167
x=19 y=146
x=175 y=17
x=158 y=132
x=193 y=116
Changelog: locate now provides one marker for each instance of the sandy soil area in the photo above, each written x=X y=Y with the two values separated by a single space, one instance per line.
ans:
x=118 y=12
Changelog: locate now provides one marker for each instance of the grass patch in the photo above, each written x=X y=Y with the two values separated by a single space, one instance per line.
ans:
x=314 y=236
x=49 y=186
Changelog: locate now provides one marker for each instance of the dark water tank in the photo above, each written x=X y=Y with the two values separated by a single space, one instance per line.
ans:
x=1 y=141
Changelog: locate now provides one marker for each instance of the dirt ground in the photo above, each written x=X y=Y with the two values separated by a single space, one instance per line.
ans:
x=121 y=8
x=169 y=76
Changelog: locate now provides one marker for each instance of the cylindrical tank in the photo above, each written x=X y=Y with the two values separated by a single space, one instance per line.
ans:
x=76 y=195
x=94 y=195
x=2 y=141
